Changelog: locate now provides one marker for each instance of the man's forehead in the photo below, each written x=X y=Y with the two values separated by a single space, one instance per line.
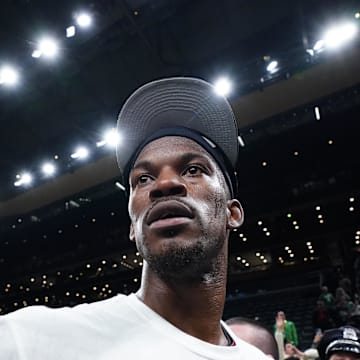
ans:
x=170 y=145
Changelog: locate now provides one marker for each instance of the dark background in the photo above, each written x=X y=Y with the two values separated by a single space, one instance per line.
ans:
x=64 y=240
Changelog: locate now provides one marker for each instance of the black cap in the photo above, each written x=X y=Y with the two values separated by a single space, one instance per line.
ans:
x=345 y=338
x=179 y=106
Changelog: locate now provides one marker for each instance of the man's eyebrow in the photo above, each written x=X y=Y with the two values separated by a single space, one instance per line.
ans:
x=189 y=156
x=145 y=164
x=184 y=158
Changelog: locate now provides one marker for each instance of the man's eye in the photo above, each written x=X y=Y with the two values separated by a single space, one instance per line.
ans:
x=143 y=179
x=193 y=170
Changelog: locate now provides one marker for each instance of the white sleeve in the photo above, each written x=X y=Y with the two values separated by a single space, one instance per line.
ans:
x=8 y=347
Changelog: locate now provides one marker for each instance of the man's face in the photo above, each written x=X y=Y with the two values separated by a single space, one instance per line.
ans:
x=179 y=210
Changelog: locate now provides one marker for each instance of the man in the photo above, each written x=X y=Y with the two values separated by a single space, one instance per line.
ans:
x=256 y=334
x=178 y=162
x=340 y=344
x=285 y=328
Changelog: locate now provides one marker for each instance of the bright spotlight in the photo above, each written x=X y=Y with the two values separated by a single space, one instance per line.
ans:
x=319 y=45
x=80 y=153
x=8 y=76
x=339 y=35
x=223 y=86
x=83 y=20
x=24 y=179
x=70 y=31
x=46 y=47
x=48 y=169
x=272 y=67
x=111 y=138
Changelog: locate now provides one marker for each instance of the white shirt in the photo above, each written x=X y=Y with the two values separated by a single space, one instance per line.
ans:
x=122 y=327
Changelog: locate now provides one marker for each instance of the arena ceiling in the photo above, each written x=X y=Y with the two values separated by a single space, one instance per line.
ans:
x=292 y=163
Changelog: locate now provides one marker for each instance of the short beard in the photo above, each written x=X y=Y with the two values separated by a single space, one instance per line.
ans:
x=188 y=265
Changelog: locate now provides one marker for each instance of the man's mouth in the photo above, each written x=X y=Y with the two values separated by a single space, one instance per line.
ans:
x=169 y=213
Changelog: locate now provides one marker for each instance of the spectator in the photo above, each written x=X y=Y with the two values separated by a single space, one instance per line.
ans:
x=342 y=305
x=340 y=344
x=322 y=317
x=292 y=352
x=327 y=297
x=256 y=334
x=286 y=328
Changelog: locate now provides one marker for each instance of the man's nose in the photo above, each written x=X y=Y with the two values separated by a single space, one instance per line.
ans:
x=168 y=183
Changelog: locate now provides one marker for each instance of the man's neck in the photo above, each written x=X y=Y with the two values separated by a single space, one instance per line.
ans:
x=194 y=308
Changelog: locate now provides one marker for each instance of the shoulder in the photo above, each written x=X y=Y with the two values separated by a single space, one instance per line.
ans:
x=39 y=315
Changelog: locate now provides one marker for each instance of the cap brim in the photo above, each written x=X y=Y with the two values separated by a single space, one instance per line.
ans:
x=183 y=102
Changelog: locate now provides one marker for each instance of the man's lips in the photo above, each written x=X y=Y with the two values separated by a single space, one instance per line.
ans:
x=169 y=213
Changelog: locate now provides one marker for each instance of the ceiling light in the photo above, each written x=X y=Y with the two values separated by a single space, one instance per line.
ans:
x=84 y=20
x=8 y=76
x=223 y=86
x=357 y=15
x=317 y=112
x=351 y=208
x=120 y=186
x=267 y=233
x=70 y=31
x=48 y=169
x=319 y=45
x=351 y=199
x=272 y=67
x=47 y=47
x=339 y=35
x=259 y=222
x=80 y=153
x=24 y=179
x=288 y=215
x=318 y=208
x=241 y=141
x=111 y=138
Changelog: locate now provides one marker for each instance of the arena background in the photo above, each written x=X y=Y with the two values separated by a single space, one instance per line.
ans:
x=64 y=236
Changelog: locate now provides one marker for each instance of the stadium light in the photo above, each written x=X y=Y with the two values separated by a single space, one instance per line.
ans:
x=70 y=31
x=223 y=86
x=319 y=45
x=80 y=153
x=111 y=138
x=48 y=169
x=84 y=20
x=340 y=34
x=47 y=47
x=272 y=67
x=24 y=179
x=8 y=76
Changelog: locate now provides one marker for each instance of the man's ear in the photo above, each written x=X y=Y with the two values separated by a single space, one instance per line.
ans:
x=132 y=233
x=235 y=214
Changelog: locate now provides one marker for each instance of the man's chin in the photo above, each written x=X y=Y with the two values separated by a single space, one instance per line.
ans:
x=181 y=263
